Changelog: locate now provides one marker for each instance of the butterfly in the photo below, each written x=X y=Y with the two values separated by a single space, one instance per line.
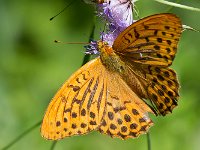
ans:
x=115 y=92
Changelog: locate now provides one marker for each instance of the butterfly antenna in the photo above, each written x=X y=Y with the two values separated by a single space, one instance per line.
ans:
x=56 y=41
x=63 y=9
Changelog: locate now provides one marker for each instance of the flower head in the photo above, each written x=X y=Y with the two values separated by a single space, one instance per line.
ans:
x=119 y=15
x=92 y=48
x=118 y=12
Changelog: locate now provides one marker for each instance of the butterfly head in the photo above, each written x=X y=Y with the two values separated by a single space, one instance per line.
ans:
x=103 y=47
x=101 y=44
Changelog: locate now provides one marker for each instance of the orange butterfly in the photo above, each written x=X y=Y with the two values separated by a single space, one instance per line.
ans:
x=111 y=93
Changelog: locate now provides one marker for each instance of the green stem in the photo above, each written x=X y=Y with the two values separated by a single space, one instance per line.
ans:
x=53 y=145
x=171 y=7
x=87 y=57
x=177 y=5
x=149 y=141
x=21 y=135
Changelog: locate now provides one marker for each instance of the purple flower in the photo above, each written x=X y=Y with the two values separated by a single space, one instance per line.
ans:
x=119 y=15
x=92 y=48
x=118 y=12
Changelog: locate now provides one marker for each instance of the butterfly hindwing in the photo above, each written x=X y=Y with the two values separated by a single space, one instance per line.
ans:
x=150 y=41
x=78 y=106
x=163 y=90
x=126 y=115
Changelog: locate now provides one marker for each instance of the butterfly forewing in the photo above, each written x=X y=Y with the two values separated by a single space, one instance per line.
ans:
x=79 y=105
x=151 y=41
x=95 y=98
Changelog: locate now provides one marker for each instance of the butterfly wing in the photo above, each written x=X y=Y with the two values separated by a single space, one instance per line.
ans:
x=151 y=41
x=95 y=99
x=79 y=105
x=126 y=115
x=148 y=47
x=159 y=84
x=163 y=88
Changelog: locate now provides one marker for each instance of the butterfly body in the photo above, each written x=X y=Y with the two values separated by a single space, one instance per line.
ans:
x=107 y=94
x=113 y=62
x=108 y=57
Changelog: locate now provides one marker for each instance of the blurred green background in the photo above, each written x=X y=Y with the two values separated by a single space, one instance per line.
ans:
x=33 y=67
